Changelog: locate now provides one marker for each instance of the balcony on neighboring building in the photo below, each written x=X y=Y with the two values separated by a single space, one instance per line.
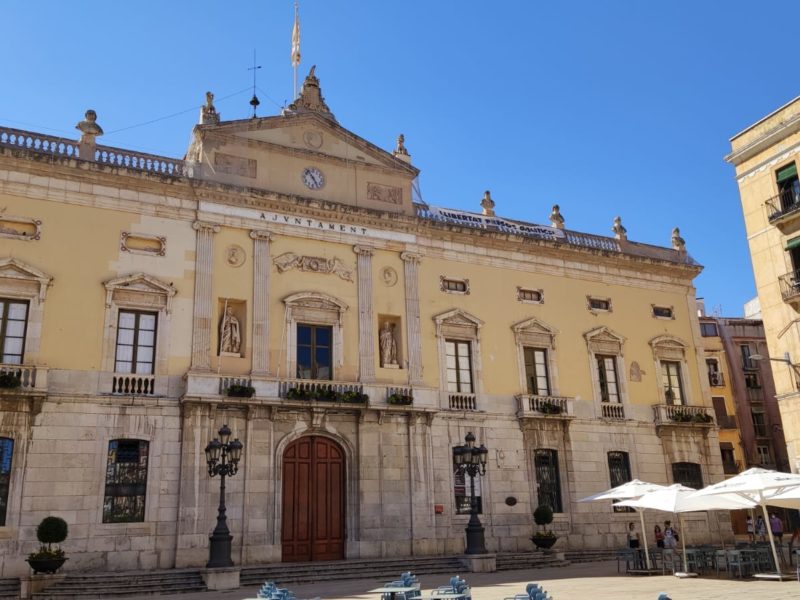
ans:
x=727 y=422
x=731 y=467
x=755 y=394
x=23 y=379
x=530 y=406
x=716 y=379
x=783 y=208
x=790 y=286
x=682 y=415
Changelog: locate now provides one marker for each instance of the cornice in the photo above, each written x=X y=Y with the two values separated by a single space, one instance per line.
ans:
x=767 y=140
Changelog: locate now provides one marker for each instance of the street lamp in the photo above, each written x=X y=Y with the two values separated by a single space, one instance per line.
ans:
x=469 y=460
x=222 y=458
x=786 y=360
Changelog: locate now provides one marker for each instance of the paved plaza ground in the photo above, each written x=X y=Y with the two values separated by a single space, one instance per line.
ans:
x=595 y=581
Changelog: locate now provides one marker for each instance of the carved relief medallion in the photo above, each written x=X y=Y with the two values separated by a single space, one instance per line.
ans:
x=384 y=193
x=389 y=276
x=312 y=139
x=314 y=264
x=235 y=255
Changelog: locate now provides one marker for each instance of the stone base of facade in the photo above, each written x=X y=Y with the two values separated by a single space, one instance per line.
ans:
x=226 y=578
x=480 y=563
x=33 y=584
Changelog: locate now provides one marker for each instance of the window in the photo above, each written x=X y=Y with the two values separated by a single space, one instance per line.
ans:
x=136 y=342
x=748 y=364
x=462 y=493
x=314 y=352
x=547 y=479
x=688 y=474
x=708 y=330
x=599 y=303
x=662 y=312
x=536 y=371
x=759 y=424
x=459 y=366
x=671 y=377
x=126 y=481
x=454 y=286
x=530 y=296
x=13 y=322
x=724 y=420
x=751 y=381
x=6 y=450
x=727 y=455
x=619 y=471
x=714 y=376
x=763 y=454
x=788 y=186
x=609 y=384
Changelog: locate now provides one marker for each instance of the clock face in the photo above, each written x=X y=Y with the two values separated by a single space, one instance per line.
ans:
x=313 y=178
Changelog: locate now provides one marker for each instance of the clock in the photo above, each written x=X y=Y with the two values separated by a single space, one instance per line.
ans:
x=313 y=178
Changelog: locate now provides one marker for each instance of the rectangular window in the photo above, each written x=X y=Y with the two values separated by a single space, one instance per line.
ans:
x=688 y=474
x=536 y=372
x=759 y=424
x=529 y=296
x=763 y=454
x=599 y=304
x=751 y=381
x=788 y=186
x=609 y=384
x=126 y=481
x=729 y=466
x=662 y=312
x=548 y=480
x=136 y=342
x=708 y=330
x=714 y=376
x=13 y=322
x=459 y=366
x=314 y=352
x=458 y=286
x=463 y=491
x=748 y=364
x=6 y=451
x=619 y=471
x=673 y=386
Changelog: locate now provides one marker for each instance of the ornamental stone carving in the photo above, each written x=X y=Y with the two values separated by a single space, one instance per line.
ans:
x=388 y=345
x=314 y=264
x=230 y=334
x=235 y=255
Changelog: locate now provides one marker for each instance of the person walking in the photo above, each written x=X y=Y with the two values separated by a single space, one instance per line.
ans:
x=761 y=529
x=751 y=529
x=794 y=541
x=670 y=536
x=659 y=535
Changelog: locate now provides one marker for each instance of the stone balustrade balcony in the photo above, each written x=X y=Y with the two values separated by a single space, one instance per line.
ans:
x=32 y=379
x=530 y=406
x=612 y=411
x=682 y=415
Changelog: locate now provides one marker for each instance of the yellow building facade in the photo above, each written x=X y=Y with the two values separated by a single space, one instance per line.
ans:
x=765 y=158
x=282 y=279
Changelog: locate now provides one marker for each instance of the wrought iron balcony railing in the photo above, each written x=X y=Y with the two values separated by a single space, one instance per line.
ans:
x=731 y=467
x=727 y=422
x=784 y=204
x=716 y=379
x=790 y=286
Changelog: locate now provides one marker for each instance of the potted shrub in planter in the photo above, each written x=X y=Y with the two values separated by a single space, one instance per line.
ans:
x=400 y=399
x=10 y=381
x=52 y=530
x=353 y=397
x=543 y=516
x=549 y=408
x=680 y=416
x=241 y=391
x=702 y=418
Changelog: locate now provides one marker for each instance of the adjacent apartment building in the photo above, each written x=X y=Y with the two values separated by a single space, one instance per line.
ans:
x=367 y=332
x=765 y=156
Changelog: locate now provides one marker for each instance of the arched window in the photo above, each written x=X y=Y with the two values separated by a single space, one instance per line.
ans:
x=6 y=450
x=126 y=481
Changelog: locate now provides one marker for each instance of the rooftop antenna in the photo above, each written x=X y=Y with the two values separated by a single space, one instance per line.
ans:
x=254 y=101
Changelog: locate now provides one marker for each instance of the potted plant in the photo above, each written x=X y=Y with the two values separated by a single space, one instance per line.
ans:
x=301 y=394
x=702 y=418
x=680 y=416
x=241 y=391
x=329 y=395
x=10 y=381
x=400 y=399
x=549 y=408
x=52 y=530
x=543 y=516
x=354 y=397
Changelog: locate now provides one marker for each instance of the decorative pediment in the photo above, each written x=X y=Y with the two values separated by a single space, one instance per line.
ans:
x=19 y=278
x=457 y=322
x=315 y=307
x=668 y=347
x=602 y=340
x=533 y=332
x=140 y=290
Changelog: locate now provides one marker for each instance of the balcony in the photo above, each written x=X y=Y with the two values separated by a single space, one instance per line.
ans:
x=530 y=406
x=755 y=394
x=783 y=208
x=32 y=380
x=790 y=286
x=731 y=467
x=681 y=415
x=467 y=402
x=727 y=422
x=131 y=384
x=716 y=379
x=612 y=411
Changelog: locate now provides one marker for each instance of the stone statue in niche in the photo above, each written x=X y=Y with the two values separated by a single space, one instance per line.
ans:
x=388 y=347
x=230 y=336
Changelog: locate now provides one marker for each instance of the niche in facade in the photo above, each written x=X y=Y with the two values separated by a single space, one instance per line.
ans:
x=389 y=342
x=231 y=327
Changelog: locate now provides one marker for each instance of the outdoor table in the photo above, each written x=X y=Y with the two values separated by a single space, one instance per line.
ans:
x=393 y=591
x=447 y=595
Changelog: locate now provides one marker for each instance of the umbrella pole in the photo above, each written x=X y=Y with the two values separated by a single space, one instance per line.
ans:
x=644 y=541
x=771 y=539
x=683 y=541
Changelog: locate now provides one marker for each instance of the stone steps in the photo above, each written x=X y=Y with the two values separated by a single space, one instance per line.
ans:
x=582 y=556
x=92 y=586
x=9 y=588
x=510 y=561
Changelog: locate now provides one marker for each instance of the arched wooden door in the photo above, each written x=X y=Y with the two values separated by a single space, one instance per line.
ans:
x=313 y=500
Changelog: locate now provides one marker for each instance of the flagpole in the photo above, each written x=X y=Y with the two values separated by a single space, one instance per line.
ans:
x=295 y=48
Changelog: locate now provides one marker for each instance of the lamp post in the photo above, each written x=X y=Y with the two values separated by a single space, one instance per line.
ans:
x=222 y=457
x=471 y=461
x=786 y=360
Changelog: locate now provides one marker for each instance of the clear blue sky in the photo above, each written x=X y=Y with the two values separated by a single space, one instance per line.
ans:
x=605 y=108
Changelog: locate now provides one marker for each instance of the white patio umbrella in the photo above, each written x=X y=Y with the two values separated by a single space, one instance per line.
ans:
x=629 y=491
x=679 y=499
x=758 y=485
x=787 y=499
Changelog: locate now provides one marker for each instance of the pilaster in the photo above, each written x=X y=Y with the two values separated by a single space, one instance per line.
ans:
x=366 y=334
x=203 y=313
x=261 y=266
x=413 y=331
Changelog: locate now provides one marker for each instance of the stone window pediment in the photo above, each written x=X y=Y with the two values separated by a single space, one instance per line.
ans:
x=21 y=279
x=315 y=308
x=602 y=340
x=141 y=291
x=667 y=347
x=536 y=333
x=457 y=323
